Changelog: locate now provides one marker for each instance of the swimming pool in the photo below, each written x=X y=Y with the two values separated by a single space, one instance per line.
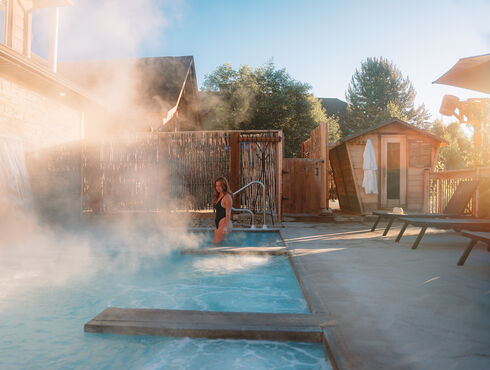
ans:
x=42 y=327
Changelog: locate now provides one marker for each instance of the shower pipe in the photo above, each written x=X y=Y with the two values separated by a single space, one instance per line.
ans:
x=264 y=226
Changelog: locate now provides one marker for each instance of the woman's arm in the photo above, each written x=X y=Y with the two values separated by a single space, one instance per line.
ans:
x=228 y=207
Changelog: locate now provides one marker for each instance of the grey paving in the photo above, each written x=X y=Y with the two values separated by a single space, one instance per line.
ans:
x=393 y=307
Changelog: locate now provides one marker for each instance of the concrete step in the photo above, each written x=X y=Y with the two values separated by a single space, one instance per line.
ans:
x=210 y=324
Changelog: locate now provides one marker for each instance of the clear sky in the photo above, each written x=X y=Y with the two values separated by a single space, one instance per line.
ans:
x=318 y=42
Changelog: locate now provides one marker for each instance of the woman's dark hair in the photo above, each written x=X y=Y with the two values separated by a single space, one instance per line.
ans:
x=225 y=185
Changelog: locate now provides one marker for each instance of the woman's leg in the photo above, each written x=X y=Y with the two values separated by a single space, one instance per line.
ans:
x=222 y=231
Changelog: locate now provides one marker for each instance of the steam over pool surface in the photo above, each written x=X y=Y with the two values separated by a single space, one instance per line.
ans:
x=244 y=239
x=41 y=326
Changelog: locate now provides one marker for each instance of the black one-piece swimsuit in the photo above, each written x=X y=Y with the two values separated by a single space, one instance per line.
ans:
x=220 y=212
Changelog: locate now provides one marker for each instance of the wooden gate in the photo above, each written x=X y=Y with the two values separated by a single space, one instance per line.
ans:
x=301 y=186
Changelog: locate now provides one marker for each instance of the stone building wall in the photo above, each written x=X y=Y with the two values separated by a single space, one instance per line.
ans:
x=38 y=120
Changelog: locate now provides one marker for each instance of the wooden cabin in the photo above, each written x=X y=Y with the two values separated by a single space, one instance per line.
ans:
x=403 y=154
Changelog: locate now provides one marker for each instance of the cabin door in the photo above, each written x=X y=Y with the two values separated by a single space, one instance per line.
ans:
x=393 y=171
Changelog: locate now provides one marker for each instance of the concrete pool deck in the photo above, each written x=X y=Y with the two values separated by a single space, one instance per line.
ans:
x=393 y=307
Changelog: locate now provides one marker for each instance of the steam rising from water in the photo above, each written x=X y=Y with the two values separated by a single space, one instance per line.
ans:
x=229 y=264
x=33 y=253
x=112 y=28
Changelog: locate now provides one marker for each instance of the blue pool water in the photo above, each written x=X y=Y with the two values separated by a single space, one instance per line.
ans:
x=244 y=239
x=41 y=324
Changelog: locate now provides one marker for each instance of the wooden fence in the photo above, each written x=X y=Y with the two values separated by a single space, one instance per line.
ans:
x=440 y=186
x=177 y=170
x=54 y=175
x=316 y=147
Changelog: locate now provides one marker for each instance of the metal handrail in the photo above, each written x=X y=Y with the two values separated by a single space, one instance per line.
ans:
x=264 y=226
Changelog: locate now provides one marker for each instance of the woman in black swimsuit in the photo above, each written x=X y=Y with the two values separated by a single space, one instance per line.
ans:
x=222 y=206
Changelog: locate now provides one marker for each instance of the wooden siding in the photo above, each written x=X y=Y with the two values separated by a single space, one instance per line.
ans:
x=346 y=160
x=301 y=185
x=415 y=193
x=344 y=180
x=369 y=201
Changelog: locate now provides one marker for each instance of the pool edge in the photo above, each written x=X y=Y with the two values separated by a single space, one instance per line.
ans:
x=314 y=307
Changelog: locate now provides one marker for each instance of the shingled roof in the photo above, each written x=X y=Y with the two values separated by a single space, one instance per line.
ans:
x=395 y=121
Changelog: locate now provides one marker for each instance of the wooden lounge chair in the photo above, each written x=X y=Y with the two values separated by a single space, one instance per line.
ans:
x=475 y=237
x=454 y=208
x=458 y=224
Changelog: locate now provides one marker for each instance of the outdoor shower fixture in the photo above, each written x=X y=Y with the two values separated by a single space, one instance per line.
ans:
x=264 y=226
x=467 y=111
x=472 y=111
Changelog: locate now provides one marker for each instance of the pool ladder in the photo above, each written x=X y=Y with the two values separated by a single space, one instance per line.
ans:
x=264 y=226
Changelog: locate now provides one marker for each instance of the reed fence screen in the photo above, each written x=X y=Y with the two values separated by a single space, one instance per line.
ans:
x=176 y=170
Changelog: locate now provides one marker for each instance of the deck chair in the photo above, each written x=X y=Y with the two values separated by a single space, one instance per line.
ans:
x=458 y=224
x=474 y=238
x=454 y=208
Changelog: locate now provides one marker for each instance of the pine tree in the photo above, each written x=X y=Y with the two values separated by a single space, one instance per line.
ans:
x=377 y=92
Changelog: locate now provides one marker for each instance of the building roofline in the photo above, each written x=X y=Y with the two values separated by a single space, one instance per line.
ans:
x=390 y=121
x=24 y=71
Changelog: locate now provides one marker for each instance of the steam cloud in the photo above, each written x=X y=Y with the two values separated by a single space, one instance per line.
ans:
x=102 y=29
x=34 y=252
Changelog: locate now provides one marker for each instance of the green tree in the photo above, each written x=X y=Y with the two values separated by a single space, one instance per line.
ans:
x=459 y=151
x=377 y=92
x=262 y=99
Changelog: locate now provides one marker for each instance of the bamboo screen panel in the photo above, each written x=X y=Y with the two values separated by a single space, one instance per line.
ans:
x=195 y=160
x=123 y=174
x=149 y=172
x=258 y=161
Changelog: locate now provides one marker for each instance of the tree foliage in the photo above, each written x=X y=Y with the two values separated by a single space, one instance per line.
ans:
x=459 y=151
x=377 y=92
x=263 y=99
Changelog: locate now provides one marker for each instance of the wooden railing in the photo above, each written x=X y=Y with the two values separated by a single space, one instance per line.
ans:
x=440 y=186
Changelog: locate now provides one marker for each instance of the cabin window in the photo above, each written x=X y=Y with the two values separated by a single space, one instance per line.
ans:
x=40 y=33
x=420 y=154
x=393 y=171
x=3 y=20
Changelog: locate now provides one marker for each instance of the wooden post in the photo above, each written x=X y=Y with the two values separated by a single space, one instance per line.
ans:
x=356 y=185
x=235 y=165
x=476 y=196
x=9 y=28
x=425 y=207
x=162 y=161
x=53 y=39
x=279 y=156
x=27 y=33
x=438 y=195
x=324 y=166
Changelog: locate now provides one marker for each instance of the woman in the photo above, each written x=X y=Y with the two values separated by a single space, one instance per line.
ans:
x=222 y=205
